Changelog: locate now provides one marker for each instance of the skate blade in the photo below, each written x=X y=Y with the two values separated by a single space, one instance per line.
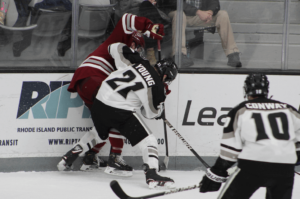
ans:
x=157 y=186
x=116 y=172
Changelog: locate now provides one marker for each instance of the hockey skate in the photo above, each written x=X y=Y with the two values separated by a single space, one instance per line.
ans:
x=67 y=160
x=156 y=181
x=92 y=162
x=63 y=166
x=117 y=166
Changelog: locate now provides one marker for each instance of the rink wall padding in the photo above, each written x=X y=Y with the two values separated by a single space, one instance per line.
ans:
x=50 y=163
x=40 y=164
x=41 y=120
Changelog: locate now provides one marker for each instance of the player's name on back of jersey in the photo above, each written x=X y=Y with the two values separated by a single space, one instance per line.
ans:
x=145 y=74
x=267 y=106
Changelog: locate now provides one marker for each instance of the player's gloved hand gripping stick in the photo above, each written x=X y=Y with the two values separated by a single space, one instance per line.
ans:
x=155 y=31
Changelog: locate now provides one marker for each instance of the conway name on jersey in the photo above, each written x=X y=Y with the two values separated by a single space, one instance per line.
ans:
x=261 y=130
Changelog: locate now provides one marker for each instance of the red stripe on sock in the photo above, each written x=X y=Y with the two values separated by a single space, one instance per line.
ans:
x=116 y=143
x=98 y=147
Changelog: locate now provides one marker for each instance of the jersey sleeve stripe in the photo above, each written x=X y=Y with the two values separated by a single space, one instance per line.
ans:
x=153 y=151
x=153 y=156
x=94 y=62
x=133 y=22
x=230 y=151
x=128 y=21
x=231 y=148
x=228 y=156
x=152 y=147
x=95 y=66
x=103 y=61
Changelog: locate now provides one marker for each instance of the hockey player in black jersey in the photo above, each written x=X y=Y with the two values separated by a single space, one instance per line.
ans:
x=130 y=88
x=263 y=136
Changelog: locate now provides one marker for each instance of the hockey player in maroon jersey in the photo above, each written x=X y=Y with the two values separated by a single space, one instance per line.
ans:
x=263 y=136
x=88 y=78
x=131 y=88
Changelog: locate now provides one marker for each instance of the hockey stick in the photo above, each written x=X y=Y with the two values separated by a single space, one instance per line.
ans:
x=159 y=50
x=115 y=186
x=186 y=144
x=166 y=160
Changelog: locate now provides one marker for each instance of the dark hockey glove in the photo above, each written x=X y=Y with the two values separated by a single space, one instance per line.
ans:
x=212 y=180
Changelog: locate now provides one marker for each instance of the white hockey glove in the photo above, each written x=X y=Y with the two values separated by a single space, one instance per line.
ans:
x=161 y=109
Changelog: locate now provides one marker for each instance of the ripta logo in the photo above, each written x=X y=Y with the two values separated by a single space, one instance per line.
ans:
x=48 y=101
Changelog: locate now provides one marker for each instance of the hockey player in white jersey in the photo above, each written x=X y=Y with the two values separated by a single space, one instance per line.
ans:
x=263 y=136
x=133 y=87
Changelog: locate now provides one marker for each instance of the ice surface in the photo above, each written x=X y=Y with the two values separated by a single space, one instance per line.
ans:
x=95 y=185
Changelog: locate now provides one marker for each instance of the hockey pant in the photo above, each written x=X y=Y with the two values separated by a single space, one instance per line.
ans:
x=130 y=125
x=241 y=185
x=87 y=89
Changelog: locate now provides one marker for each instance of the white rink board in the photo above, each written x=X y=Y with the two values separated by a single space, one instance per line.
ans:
x=39 y=101
x=57 y=110
x=215 y=91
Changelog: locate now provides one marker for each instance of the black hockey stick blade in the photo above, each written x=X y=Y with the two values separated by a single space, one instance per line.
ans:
x=118 y=190
x=166 y=160
x=115 y=186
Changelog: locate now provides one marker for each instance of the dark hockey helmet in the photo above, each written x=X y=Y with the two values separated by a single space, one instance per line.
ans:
x=256 y=84
x=168 y=68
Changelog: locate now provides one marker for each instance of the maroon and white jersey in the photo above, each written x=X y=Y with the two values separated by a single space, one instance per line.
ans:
x=100 y=62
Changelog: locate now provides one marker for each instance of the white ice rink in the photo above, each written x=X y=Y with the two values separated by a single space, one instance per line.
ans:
x=95 y=185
